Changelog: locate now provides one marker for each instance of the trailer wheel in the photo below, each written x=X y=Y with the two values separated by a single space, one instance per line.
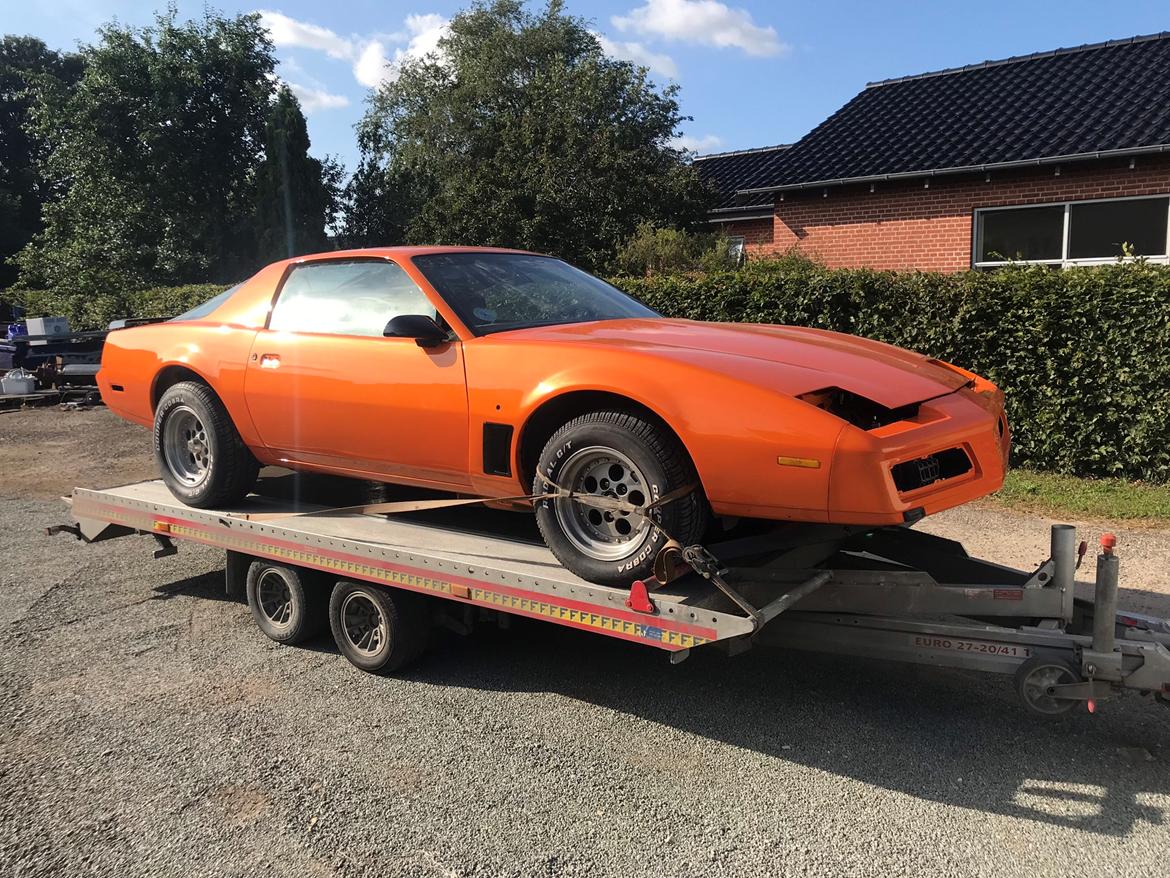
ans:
x=379 y=630
x=1035 y=680
x=286 y=607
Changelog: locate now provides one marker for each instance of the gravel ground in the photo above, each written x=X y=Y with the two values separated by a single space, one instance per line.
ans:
x=147 y=728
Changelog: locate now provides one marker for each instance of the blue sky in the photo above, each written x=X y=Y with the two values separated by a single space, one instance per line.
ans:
x=752 y=73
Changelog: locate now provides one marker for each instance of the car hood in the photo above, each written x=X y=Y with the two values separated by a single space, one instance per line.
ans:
x=812 y=359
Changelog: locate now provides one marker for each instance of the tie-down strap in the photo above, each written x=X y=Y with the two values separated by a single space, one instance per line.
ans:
x=553 y=492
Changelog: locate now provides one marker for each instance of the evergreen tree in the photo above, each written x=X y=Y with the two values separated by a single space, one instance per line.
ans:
x=296 y=194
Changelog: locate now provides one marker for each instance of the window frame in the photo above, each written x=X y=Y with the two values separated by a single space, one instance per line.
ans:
x=1063 y=261
x=342 y=260
x=737 y=247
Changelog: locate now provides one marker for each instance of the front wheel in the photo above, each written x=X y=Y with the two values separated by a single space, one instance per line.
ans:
x=286 y=602
x=625 y=457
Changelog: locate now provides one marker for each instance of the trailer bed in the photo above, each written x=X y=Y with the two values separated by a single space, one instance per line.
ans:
x=488 y=569
x=891 y=593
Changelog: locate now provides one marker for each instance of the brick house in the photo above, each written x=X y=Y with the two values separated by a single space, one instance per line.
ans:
x=1060 y=158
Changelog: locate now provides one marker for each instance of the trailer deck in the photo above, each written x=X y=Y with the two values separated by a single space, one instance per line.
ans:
x=890 y=593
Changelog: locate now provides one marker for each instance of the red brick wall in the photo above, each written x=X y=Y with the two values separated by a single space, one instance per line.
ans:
x=906 y=225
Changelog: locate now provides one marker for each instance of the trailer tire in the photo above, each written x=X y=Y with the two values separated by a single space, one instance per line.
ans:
x=380 y=630
x=623 y=456
x=286 y=604
x=198 y=449
x=1033 y=678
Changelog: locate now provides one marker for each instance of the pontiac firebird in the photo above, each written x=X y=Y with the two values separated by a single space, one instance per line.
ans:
x=499 y=373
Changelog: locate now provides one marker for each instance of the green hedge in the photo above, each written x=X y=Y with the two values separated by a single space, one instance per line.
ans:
x=1083 y=355
x=96 y=312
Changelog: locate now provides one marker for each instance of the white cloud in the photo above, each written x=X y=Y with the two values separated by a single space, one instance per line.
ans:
x=696 y=144
x=425 y=32
x=313 y=99
x=371 y=62
x=287 y=31
x=707 y=22
x=372 y=65
x=638 y=54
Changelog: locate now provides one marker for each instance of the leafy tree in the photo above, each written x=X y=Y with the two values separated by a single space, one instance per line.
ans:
x=522 y=132
x=23 y=62
x=296 y=195
x=155 y=150
x=653 y=250
x=379 y=202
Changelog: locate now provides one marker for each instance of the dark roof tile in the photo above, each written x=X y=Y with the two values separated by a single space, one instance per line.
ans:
x=726 y=171
x=1097 y=98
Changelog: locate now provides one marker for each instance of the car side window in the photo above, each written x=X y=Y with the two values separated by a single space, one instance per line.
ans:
x=356 y=297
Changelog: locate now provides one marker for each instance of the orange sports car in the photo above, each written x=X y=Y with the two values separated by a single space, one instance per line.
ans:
x=500 y=373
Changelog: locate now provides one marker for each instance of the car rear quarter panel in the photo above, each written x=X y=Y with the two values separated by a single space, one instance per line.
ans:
x=215 y=348
x=134 y=359
x=733 y=425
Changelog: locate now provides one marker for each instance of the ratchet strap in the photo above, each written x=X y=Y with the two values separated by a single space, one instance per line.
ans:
x=553 y=492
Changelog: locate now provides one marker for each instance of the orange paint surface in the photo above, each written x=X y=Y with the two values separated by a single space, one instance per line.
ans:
x=387 y=409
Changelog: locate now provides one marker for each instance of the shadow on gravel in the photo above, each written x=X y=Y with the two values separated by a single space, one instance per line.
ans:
x=207 y=585
x=954 y=737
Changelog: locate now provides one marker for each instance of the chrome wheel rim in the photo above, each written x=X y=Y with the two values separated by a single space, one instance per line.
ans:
x=186 y=446
x=1039 y=686
x=274 y=598
x=363 y=624
x=603 y=534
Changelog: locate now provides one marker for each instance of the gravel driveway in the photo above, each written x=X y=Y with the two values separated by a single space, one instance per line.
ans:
x=147 y=728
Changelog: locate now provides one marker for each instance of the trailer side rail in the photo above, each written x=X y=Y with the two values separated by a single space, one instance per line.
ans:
x=673 y=626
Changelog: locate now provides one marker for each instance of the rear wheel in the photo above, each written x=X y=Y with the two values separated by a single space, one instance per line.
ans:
x=199 y=452
x=379 y=630
x=624 y=457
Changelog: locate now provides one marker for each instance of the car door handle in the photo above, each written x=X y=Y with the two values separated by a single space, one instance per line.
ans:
x=269 y=361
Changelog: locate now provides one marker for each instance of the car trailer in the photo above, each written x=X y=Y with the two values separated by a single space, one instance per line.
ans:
x=888 y=593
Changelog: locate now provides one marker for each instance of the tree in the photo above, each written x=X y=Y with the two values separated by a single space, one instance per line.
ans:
x=652 y=250
x=521 y=132
x=296 y=195
x=23 y=62
x=155 y=150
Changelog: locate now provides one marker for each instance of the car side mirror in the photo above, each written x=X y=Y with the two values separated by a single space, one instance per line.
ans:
x=423 y=329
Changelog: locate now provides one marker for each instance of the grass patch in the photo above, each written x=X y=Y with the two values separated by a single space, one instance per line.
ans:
x=1058 y=496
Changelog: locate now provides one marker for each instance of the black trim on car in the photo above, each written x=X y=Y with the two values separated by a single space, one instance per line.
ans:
x=497 y=449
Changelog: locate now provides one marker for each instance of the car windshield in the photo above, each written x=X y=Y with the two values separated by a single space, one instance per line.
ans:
x=495 y=292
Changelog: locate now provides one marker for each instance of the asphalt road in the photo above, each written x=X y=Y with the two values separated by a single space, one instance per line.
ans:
x=147 y=728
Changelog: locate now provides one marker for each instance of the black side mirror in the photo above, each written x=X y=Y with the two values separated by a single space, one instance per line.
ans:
x=424 y=330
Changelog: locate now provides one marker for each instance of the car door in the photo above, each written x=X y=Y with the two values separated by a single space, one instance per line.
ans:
x=325 y=387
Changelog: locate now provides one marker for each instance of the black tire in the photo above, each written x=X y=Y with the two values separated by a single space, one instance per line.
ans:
x=1039 y=672
x=286 y=602
x=402 y=617
x=665 y=467
x=228 y=471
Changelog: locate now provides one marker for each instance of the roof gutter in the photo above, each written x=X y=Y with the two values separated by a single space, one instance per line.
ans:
x=744 y=212
x=966 y=169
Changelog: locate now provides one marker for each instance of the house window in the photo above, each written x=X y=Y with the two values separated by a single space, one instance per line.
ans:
x=1073 y=233
x=735 y=247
